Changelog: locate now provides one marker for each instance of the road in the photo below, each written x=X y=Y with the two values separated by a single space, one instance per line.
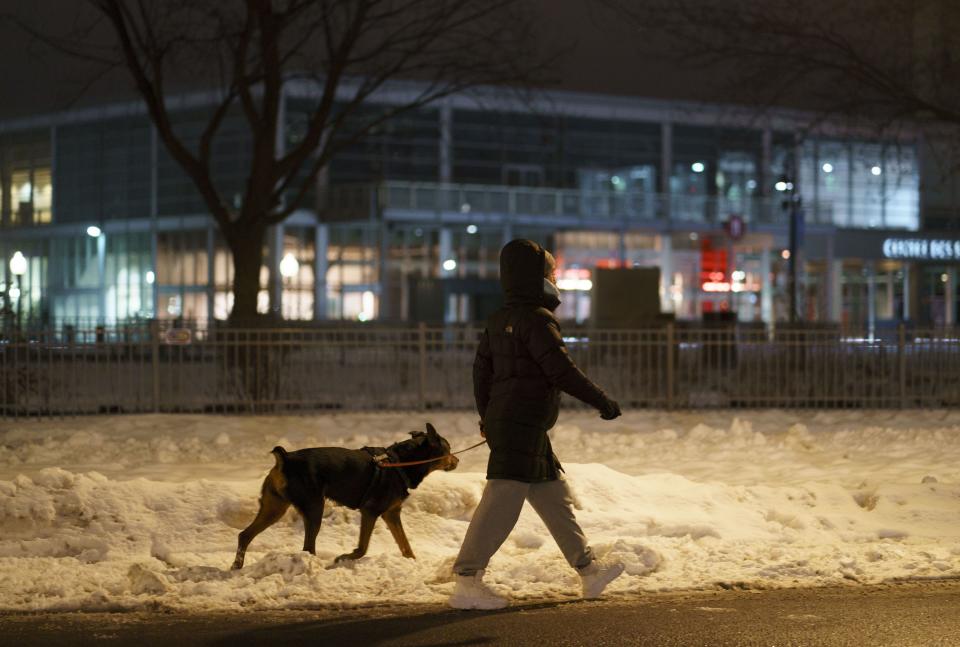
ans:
x=903 y=615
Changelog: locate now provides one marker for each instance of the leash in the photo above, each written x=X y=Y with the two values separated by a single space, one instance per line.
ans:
x=431 y=460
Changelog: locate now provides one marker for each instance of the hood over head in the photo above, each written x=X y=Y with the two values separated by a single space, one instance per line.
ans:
x=522 y=265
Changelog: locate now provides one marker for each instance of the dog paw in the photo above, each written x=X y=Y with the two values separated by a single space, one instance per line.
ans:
x=348 y=557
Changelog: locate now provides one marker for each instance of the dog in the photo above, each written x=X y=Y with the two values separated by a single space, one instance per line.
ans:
x=352 y=478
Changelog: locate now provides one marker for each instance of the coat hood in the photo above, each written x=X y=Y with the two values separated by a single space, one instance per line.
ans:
x=522 y=265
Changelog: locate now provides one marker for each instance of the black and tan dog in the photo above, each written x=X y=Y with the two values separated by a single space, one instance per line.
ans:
x=350 y=477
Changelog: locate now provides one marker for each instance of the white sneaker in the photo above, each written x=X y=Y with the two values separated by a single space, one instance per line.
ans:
x=595 y=576
x=472 y=593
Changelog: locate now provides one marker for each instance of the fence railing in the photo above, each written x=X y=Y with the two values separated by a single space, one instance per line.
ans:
x=149 y=369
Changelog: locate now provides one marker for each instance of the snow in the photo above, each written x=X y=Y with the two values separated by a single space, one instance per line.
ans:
x=142 y=512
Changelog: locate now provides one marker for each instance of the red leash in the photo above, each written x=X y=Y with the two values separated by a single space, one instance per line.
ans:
x=431 y=460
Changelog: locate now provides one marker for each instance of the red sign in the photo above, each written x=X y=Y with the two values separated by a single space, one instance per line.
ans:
x=713 y=268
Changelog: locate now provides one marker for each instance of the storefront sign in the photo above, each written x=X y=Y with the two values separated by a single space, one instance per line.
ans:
x=178 y=336
x=922 y=249
x=713 y=266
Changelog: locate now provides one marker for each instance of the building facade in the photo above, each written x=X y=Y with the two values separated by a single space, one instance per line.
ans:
x=407 y=223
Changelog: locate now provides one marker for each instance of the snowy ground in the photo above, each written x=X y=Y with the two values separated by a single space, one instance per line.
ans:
x=142 y=511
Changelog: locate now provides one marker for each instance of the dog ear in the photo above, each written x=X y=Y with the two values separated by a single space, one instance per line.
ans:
x=431 y=431
x=417 y=434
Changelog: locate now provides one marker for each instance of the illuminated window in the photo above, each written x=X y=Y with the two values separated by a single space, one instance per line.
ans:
x=31 y=192
x=42 y=196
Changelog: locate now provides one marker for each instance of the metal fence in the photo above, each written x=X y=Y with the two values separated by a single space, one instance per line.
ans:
x=147 y=368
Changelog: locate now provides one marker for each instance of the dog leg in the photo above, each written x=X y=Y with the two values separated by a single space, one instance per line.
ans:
x=312 y=518
x=392 y=518
x=272 y=508
x=367 y=521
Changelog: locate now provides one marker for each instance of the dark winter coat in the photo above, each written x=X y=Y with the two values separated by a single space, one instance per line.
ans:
x=520 y=369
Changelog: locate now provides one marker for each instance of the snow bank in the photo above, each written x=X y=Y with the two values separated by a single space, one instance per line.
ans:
x=143 y=511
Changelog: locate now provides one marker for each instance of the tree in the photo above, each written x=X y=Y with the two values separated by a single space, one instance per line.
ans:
x=882 y=62
x=348 y=50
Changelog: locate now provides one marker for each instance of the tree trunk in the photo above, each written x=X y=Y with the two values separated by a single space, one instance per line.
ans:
x=247 y=249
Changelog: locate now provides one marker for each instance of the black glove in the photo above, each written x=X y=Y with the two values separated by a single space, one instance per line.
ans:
x=610 y=410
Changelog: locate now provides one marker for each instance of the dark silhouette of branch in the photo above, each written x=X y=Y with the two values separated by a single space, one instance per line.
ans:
x=870 y=59
x=250 y=49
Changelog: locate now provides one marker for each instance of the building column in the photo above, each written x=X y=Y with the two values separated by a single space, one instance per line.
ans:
x=445 y=171
x=321 y=243
x=155 y=286
x=666 y=166
x=53 y=173
x=446 y=252
x=154 y=212
x=383 y=272
x=275 y=281
x=766 y=161
x=835 y=285
x=950 y=298
x=828 y=285
x=211 y=272
x=889 y=312
x=907 y=314
x=666 y=272
x=275 y=233
x=101 y=276
x=6 y=197
x=405 y=277
x=766 y=286
x=871 y=298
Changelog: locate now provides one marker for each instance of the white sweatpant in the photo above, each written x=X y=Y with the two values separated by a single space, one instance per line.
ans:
x=497 y=514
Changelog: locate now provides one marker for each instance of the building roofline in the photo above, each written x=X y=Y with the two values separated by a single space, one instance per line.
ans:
x=546 y=102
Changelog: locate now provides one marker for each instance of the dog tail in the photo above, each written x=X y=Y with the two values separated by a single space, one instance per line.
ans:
x=280 y=454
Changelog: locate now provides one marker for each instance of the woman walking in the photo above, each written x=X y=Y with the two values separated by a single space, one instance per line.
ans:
x=521 y=367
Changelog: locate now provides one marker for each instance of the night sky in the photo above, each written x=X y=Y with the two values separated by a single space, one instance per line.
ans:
x=601 y=55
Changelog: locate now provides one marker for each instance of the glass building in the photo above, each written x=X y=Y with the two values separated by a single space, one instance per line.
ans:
x=407 y=223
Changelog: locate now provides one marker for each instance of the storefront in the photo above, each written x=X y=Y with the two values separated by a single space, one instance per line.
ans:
x=873 y=279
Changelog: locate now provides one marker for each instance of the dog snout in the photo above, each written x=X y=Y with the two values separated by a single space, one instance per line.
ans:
x=450 y=463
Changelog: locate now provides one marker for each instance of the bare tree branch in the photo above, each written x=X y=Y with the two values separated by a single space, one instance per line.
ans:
x=252 y=48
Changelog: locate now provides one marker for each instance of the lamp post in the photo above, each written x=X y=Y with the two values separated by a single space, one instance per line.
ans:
x=791 y=204
x=289 y=268
x=18 y=266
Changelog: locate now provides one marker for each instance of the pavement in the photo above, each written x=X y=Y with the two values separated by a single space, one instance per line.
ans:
x=910 y=614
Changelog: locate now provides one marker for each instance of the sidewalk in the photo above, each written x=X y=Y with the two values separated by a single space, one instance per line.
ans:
x=914 y=614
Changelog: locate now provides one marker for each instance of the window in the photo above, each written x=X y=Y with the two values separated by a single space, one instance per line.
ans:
x=32 y=196
x=831 y=168
x=103 y=170
x=27 y=182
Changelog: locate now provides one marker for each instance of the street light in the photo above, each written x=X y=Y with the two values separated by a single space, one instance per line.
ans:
x=18 y=266
x=791 y=204
x=289 y=266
